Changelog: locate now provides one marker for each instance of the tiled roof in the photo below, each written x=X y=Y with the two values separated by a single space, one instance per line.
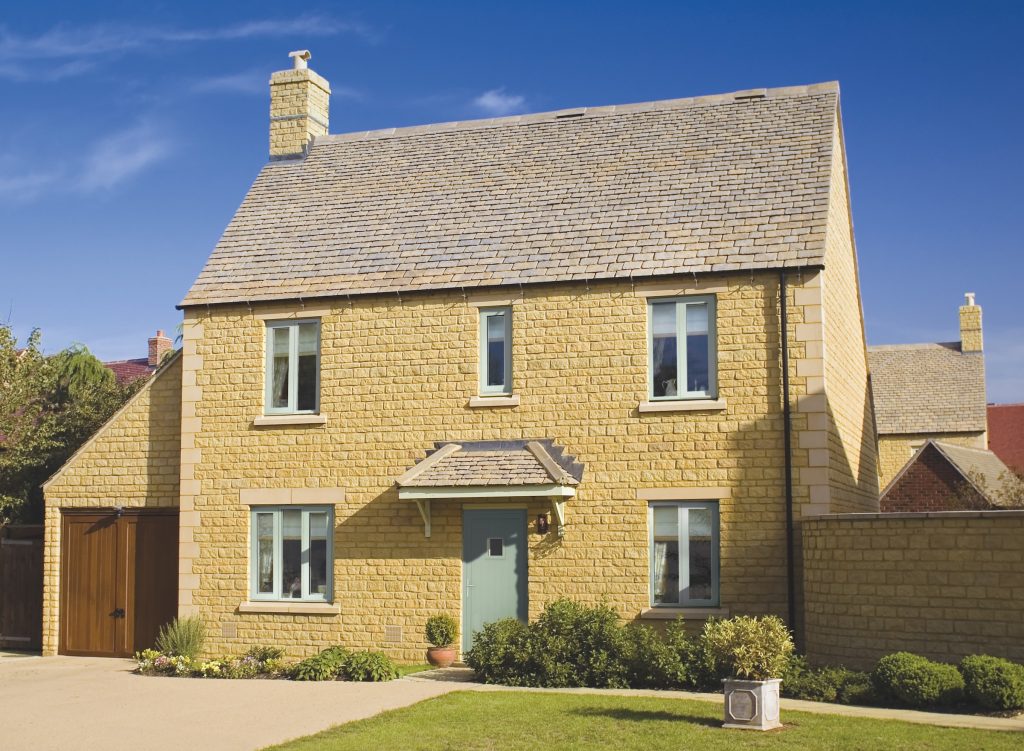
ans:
x=494 y=463
x=1006 y=433
x=981 y=468
x=126 y=371
x=728 y=182
x=927 y=388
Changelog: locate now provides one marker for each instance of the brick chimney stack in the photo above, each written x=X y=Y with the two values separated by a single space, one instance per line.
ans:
x=299 y=104
x=970 y=325
x=159 y=345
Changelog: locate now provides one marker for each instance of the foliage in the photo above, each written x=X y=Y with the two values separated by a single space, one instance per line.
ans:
x=916 y=681
x=49 y=406
x=258 y=662
x=265 y=654
x=576 y=645
x=1006 y=492
x=653 y=662
x=829 y=683
x=501 y=654
x=441 y=630
x=182 y=637
x=154 y=662
x=749 y=647
x=321 y=667
x=368 y=666
x=993 y=683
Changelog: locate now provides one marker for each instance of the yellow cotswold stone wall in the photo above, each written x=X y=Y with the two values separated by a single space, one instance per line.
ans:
x=853 y=453
x=944 y=585
x=397 y=375
x=894 y=451
x=132 y=461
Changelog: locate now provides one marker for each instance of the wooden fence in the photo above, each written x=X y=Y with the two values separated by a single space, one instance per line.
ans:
x=21 y=587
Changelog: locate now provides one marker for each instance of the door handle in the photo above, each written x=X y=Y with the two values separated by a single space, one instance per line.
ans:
x=118 y=613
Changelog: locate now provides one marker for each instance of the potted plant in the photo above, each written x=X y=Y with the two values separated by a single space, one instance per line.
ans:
x=752 y=652
x=441 y=632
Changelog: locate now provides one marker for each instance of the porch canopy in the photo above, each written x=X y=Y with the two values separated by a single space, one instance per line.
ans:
x=478 y=470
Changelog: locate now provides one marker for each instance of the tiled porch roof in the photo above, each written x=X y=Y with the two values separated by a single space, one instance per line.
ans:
x=493 y=463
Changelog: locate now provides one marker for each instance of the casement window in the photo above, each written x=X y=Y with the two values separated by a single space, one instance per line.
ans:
x=681 y=348
x=291 y=553
x=293 y=367
x=495 y=351
x=684 y=554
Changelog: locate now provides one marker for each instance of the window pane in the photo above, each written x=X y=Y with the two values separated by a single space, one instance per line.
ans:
x=665 y=555
x=308 y=336
x=279 y=366
x=318 y=532
x=265 y=553
x=663 y=354
x=291 y=553
x=700 y=554
x=697 y=378
x=495 y=349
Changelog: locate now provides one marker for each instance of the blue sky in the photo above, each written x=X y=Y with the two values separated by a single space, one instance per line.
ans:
x=130 y=132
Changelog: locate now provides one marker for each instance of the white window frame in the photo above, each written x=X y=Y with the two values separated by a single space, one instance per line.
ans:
x=684 y=553
x=485 y=315
x=278 y=594
x=293 y=368
x=681 y=304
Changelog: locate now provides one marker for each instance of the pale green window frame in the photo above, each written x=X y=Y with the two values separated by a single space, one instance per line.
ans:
x=486 y=315
x=276 y=513
x=683 y=534
x=292 y=326
x=681 y=304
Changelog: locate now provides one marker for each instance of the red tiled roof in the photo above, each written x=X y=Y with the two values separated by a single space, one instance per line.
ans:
x=1006 y=433
x=126 y=371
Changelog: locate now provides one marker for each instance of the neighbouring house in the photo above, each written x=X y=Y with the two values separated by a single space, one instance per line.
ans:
x=126 y=371
x=928 y=392
x=948 y=477
x=612 y=353
x=1006 y=434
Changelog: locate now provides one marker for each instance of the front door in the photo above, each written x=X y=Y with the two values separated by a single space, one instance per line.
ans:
x=493 y=568
x=119 y=579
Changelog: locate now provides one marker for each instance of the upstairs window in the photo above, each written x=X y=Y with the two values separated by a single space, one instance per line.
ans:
x=684 y=554
x=682 y=348
x=291 y=553
x=495 y=351
x=293 y=367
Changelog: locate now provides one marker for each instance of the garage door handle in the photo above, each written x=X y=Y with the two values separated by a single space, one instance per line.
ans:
x=119 y=613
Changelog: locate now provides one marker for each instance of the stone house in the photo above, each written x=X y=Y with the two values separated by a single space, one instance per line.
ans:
x=611 y=353
x=928 y=392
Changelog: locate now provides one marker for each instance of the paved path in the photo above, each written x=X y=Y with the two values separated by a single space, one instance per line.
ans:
x=980 y=722
x=95 y=703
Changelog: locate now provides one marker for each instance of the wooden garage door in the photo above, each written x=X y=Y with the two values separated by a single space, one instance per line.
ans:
x=119 y=580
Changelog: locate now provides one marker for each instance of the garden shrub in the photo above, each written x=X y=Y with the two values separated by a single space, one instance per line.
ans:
x=182 y=637
x=993 y=683
x=441 y=630
x=916 y=681
x=653 y=662
x=321 y=667
x=829 y=683
x=577 y=645
x=501 y=654
x=368 y=666
x=748 y=647
x=154 y=662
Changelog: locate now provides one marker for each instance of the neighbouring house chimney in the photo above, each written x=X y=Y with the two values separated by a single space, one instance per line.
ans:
x=970 y=325
x=159 y=345
x=299 y=104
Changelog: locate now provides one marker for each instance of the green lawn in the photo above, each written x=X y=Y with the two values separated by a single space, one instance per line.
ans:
x=513 y=721
x=410 y=669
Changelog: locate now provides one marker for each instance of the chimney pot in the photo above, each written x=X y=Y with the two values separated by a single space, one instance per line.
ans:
x=300 y=59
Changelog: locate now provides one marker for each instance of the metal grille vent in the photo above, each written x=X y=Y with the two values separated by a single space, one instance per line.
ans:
x=392 y=634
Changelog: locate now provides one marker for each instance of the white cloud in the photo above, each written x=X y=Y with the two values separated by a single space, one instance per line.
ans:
x=73 y=50
x=120 y=156
x=496 y=102
x=236 y=83
x=25 y=186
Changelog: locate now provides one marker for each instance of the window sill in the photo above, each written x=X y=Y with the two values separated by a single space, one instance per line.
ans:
x=494 y=401
x=688 y=614
x=683 y=405
x=267 y=421
x=289 y=608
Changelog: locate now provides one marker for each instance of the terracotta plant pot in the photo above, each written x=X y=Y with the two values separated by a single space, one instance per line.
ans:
x=441 y=657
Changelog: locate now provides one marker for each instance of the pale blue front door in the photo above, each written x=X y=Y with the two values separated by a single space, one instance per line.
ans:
x=493 y=568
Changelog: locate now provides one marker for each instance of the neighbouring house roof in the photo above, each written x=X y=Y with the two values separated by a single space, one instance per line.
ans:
x=493 y=463
x=720 y=183
x=1006 y=433
x=927 y=388
x=980 y=468
x=126 y=371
